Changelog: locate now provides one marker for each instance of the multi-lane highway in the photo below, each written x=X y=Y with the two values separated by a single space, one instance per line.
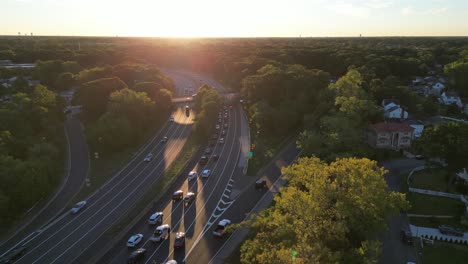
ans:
x=68 y=237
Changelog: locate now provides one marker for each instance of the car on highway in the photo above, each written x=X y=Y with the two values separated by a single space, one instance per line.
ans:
x=215 y=157
x=203 y=160
x=179 y=241
x=223 y=132
x=206 y=173
x=164 y=139
x=221 y=140
x=192 y=175
x=134 y=240
x=171 y=119
x=217 y=127
x=78 y=207
x=13 y=255
x=161 y=232
x=406 y=236
x=156 y=218
x=219 y=231
x=215 y=136
x=171 y=262
x=148 y=157
x=220 y=120
x=225 y=125
x=451 y=231
x=207 y=150
x=177 y=195
x=189 y=197
x=136 y=256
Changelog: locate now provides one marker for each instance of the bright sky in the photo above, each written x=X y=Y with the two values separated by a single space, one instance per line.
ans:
x=235 y=18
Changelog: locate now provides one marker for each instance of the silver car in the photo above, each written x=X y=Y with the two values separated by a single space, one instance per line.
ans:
x=78 y=207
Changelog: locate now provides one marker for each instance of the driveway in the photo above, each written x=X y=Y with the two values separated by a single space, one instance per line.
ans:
x=393 y=250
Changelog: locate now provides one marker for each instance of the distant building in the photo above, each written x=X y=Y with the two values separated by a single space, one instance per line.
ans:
x=391 y=135
x=393 y=110
x=448 y=98
x=418 y=127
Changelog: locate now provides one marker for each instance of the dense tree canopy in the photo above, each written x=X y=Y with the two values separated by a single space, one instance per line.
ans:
x=327 y=213
x=208 y=103
x=448 y=141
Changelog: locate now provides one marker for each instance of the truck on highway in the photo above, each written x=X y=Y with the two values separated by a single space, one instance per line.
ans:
x=187 y=110
x=219 y=231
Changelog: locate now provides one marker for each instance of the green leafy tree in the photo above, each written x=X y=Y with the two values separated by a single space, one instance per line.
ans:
x=449 y=141
x=327 y=214
x=95 y=94
x=458 y=74
x=65 y=81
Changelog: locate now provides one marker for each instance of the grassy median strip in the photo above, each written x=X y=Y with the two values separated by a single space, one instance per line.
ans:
x=105 y=167
x=157 y=189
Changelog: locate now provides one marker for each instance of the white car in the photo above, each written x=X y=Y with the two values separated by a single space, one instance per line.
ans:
x=164 y=139
x=148 y=157
x=156 y=218
x=206 y=173
x=219 y=231
x=134 y=240
x=171 y=119
x=217 y=127
x=221 y=140
x=161 y=232
x=192 y=175
x=78 y=207
x=171 y=262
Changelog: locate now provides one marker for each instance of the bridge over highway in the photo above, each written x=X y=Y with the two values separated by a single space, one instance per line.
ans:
x=230 y=97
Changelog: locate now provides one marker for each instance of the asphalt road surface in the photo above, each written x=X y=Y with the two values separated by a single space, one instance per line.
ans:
x=70 y=236
x=78 y=163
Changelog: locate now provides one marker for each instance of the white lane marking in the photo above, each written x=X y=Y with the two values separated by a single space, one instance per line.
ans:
x=207 y=199
x=112 y=198
x=205 y=229
x=103 y=218
x=228 y=190
x=34 y=234
x=226 y=196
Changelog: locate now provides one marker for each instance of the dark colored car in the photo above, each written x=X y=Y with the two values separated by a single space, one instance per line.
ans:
x=419 y=157
x=207 y=150
x=260 y=184
x=136 y=256
x=451 y=231
x=406 y=236
x=203 y=160
x=215 y=157
x=178 y=195
x=189 y=198
x=14 y=255
x=179 y=241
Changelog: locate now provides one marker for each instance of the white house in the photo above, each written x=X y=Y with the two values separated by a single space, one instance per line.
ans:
x=437 y=88
x=448 y=98
x=396 y=112
x=418 y=127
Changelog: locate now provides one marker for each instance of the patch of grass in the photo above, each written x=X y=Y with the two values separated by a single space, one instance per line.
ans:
x=105 y=167
x=157 y=189
x=432 y=179
x=442 y=252
x=433 y=205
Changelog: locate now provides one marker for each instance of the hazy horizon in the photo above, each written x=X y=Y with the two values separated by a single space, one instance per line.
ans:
x=243 y=18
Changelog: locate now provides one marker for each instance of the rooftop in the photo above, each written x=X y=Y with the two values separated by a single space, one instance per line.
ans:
x=391 y=127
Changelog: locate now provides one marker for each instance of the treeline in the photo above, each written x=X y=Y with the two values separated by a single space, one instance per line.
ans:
x=208 y=103
x=31 y=150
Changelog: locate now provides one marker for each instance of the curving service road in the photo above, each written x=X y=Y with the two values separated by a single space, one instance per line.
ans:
x=69 y=237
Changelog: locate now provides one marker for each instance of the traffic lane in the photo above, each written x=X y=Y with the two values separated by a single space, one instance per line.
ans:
x=78 y=166
x=195 y=222
x=82 y=243
x=244 y=203
x=176 y=211
x=166 y=200
x=68 y=220
x=85 y=216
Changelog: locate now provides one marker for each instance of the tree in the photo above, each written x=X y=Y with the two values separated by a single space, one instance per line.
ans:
x=458 y=74
x=95 y=94
x=65 y=81
x=111 y=133
x=162 y=97
x=327 y=213
x=449 y=141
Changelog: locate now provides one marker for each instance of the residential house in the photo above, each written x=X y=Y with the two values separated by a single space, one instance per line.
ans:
x=463 y=175
x=437 y=88
x=392 y=135
x=418 y=127
x=393 y=110
x=418 y=81
x=448 y=98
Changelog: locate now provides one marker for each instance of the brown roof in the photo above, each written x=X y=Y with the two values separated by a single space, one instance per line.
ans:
x=391 y=127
